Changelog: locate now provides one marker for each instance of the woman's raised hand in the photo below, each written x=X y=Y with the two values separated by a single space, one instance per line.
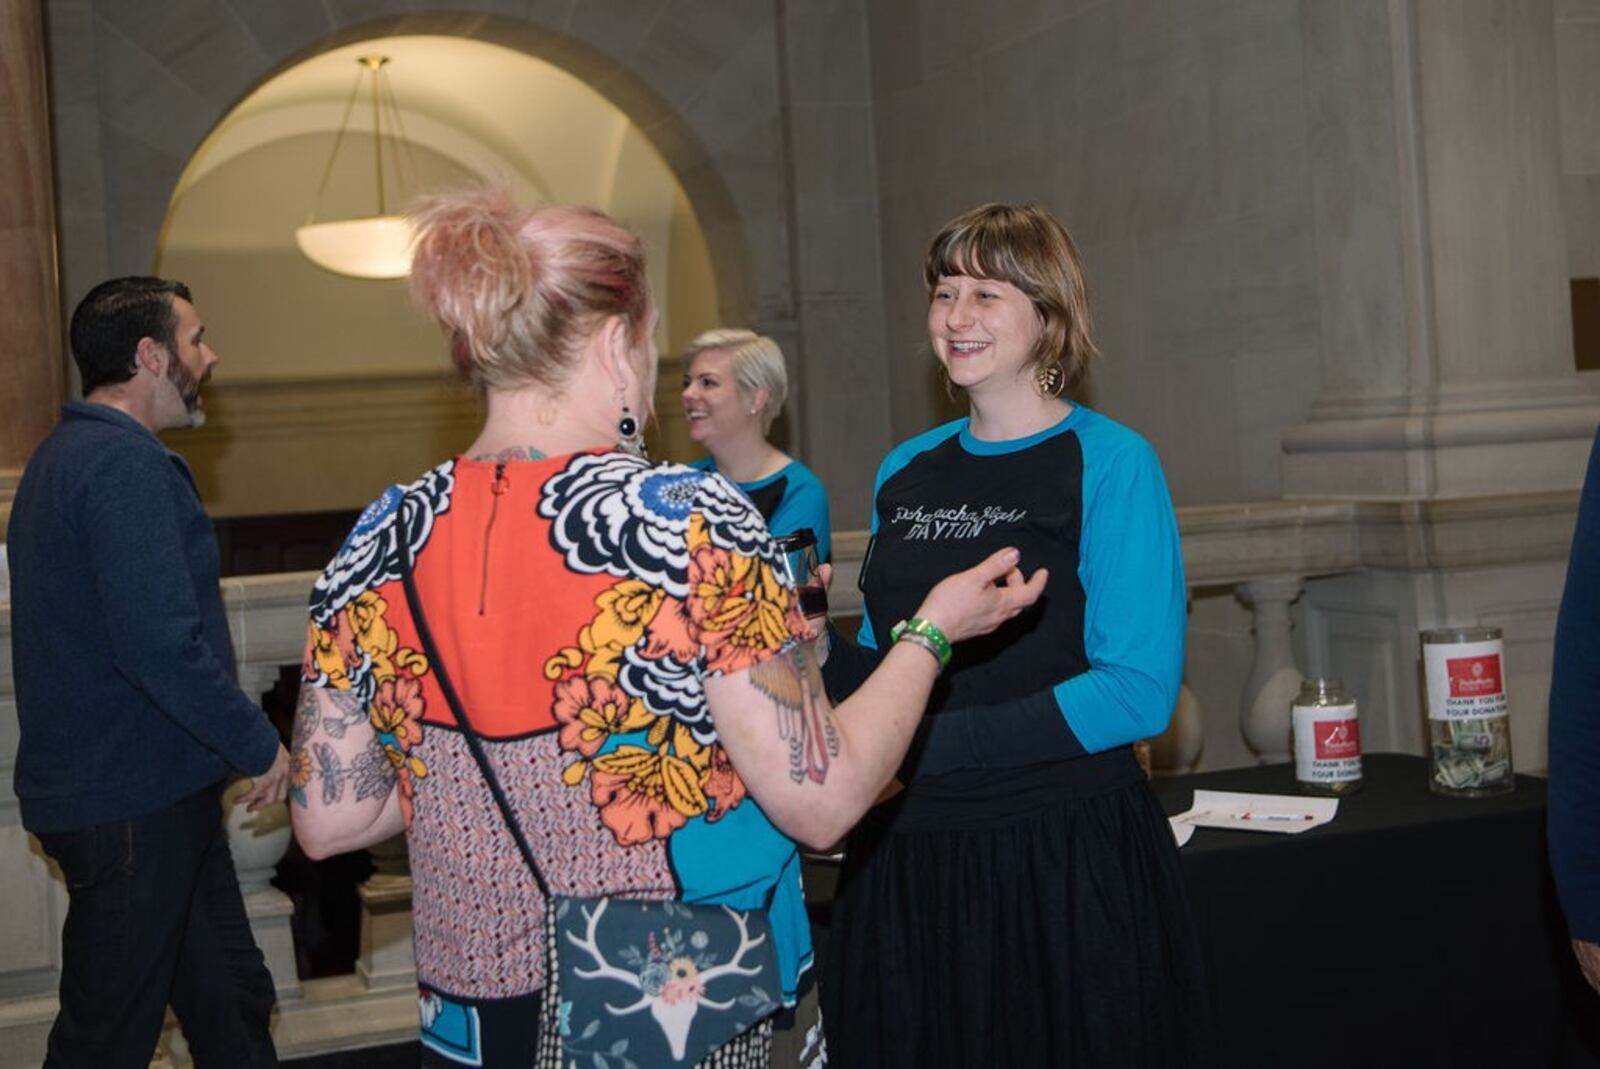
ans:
x=983 y=597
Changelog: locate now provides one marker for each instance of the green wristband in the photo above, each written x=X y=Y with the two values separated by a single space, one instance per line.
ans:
x=925 y=634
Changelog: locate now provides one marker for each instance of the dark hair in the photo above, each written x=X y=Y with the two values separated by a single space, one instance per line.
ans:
x=109 y=322
x=1027 y=247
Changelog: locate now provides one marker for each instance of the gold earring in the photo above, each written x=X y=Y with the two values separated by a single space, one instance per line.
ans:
x=1050 y=379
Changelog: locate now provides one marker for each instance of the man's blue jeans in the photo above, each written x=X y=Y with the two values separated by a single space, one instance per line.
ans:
x=155 y=917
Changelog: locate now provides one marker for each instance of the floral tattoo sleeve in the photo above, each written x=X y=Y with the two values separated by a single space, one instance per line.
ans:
x=317 y=766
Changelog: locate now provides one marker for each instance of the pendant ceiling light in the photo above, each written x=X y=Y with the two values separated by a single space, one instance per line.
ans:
x=373 y=246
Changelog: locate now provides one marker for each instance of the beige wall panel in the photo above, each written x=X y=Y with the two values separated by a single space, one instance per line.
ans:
x=314 y=445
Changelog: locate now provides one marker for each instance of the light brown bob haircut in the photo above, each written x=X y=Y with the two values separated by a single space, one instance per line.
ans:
x=520 y=290
x=1025 y=246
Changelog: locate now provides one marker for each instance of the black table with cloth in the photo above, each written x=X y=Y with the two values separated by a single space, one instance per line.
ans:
x=1414 y=930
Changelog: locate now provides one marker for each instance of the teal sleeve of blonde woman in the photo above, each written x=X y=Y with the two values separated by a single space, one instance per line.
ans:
x=805 y=504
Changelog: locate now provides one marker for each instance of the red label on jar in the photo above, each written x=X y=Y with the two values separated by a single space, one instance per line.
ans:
x=1338 y=739
x=1474 y=676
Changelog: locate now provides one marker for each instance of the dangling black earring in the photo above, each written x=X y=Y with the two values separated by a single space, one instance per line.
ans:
x=629 y=437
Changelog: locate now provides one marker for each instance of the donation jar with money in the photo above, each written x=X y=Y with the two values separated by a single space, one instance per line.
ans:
x=1327 y=738
x=1469 y=727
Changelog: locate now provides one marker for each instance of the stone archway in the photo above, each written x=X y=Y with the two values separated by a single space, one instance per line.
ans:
x=133 y=107
x=763 y=109
x=261 y=452
x=316 y=365
x=728 y=196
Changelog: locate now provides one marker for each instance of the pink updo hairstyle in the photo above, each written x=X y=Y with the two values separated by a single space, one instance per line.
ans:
x=519 y=290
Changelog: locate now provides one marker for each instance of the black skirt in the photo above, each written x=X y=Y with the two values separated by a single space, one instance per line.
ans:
x=1032 y=917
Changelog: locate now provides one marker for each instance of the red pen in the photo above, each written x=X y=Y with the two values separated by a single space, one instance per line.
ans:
x=1276 y=816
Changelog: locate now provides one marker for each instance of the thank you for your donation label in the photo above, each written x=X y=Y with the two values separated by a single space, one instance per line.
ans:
x=962 y=521
x=1465 y=681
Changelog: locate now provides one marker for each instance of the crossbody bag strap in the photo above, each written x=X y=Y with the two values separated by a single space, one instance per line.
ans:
x=474 y=743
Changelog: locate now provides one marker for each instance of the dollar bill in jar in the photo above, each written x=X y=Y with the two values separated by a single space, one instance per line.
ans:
x=1469 y=725
x=1327 y=738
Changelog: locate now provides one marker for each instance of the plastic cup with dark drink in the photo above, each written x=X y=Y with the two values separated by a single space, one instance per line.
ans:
x=813 y=600
x=799 y=557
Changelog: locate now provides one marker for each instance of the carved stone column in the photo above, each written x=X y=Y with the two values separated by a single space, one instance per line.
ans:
x=386 y=959
x=1274 y=679
x=1441 y=255
x=31 y=356
x=258 y=841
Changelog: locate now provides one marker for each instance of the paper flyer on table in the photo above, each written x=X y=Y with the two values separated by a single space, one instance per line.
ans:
x=1284 y=814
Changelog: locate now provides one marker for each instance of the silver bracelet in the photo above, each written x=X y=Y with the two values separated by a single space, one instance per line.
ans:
x=918 y=639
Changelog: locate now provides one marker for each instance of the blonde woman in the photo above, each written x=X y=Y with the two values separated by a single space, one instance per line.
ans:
x=734 y=386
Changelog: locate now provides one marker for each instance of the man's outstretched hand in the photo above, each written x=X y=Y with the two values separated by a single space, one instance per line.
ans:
x=271 y=786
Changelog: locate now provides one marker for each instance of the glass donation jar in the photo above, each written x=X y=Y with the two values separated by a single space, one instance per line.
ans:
x=1469 y=726
x=1327 y=739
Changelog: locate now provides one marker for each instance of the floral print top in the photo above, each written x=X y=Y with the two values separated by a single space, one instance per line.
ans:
x=578 y=603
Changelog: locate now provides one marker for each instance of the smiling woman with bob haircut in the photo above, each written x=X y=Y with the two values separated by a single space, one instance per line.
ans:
x=1020 y=902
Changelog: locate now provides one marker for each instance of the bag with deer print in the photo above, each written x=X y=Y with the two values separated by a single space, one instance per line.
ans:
x=642 y=983
x=636 y=983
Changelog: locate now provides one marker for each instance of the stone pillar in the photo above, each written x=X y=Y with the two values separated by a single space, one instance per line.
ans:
x=386 y=959
x=31 y=361
x=1442 y=262
x=1274 y=677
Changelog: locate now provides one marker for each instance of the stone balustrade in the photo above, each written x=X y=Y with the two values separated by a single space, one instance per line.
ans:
x=1268 y=555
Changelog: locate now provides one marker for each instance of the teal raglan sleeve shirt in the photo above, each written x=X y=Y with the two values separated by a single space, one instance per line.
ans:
x=1130 y=568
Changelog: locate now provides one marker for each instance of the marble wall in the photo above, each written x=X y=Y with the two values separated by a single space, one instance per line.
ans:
x=1578 y=80
x=1305 y=224
x=1172 y=140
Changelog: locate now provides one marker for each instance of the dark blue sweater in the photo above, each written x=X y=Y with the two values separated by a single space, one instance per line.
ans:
x=120 y=648
x=1575 y=723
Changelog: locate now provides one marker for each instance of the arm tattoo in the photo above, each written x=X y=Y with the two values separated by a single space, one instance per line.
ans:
x=305 y=711
x=371 y=772
x=351 y=713
x=794 y=683
x=329 y=771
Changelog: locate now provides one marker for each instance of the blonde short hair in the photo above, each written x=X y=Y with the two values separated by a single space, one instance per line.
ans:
x=519 y=291
x=1025 y=246
x=757 y=364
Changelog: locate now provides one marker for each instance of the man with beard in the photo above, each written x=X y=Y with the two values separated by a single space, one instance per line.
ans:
x=130 y=714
